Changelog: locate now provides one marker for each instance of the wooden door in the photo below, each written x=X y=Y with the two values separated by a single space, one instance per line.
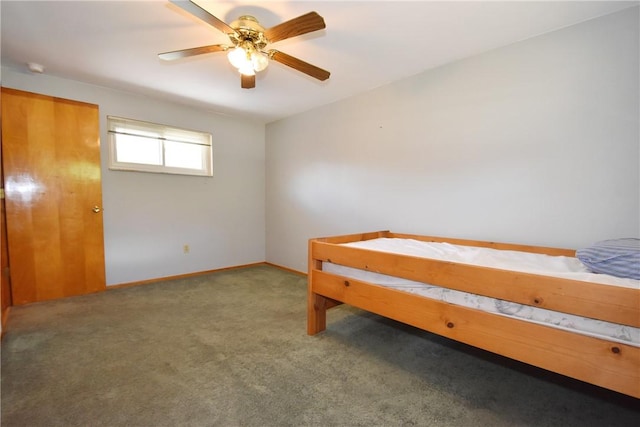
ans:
x=53 y=196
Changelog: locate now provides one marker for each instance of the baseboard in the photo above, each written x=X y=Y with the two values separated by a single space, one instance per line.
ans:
x=187 y=275
x=290 y=270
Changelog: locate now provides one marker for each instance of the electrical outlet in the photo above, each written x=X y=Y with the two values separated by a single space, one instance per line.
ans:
x=185 y=249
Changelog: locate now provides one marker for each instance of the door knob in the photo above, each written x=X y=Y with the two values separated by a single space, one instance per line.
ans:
x=96 y=209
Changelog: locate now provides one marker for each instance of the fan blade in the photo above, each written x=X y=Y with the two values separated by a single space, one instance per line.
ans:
x=184 y=53
x=247 y=82
x=299 y=65
x=198 y=12
x=295 y=27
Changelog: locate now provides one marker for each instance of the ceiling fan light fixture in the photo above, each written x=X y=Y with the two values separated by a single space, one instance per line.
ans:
x=247 y=59
x=237 y=57
x=247 y=69
x=259 y=61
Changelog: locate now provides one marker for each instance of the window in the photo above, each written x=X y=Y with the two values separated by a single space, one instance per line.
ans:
x=150 y=147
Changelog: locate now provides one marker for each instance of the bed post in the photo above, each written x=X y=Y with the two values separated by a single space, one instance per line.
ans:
x=316 y=304
x=316 y=314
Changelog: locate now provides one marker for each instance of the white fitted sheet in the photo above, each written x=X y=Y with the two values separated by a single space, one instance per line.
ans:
x=558 y=266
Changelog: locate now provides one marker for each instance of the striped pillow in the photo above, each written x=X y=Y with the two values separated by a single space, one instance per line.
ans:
x=617 y=257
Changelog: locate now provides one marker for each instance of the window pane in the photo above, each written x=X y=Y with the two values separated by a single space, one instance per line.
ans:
x=181 y=155
x=133 y=149
x=137 y=130
x=149 y=147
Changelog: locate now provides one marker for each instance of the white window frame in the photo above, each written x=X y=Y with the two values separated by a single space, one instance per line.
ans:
x=162 y=133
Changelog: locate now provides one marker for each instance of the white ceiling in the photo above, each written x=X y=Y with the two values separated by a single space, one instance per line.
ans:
x=366 y=44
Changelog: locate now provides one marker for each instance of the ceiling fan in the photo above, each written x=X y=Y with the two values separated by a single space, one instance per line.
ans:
x=249 y=39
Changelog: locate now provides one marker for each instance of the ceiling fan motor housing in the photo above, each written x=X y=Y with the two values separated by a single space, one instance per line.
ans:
x=248 y=29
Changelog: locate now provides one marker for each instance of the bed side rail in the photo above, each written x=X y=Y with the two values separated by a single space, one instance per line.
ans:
x=609 y=303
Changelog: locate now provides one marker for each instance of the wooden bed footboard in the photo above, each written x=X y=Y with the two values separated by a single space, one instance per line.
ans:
x=608 y=364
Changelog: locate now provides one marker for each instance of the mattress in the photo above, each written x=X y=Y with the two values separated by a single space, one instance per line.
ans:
x=557 y=266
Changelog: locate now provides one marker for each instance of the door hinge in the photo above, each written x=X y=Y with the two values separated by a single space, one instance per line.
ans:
x=1 y=193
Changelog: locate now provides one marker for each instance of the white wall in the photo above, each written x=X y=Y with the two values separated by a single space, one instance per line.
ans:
x=536 y=142
x=149 y=217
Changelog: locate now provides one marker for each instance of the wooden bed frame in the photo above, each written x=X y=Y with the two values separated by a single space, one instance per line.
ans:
x=597 y=361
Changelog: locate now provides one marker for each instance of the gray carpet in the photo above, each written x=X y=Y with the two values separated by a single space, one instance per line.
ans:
x=230 y=349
